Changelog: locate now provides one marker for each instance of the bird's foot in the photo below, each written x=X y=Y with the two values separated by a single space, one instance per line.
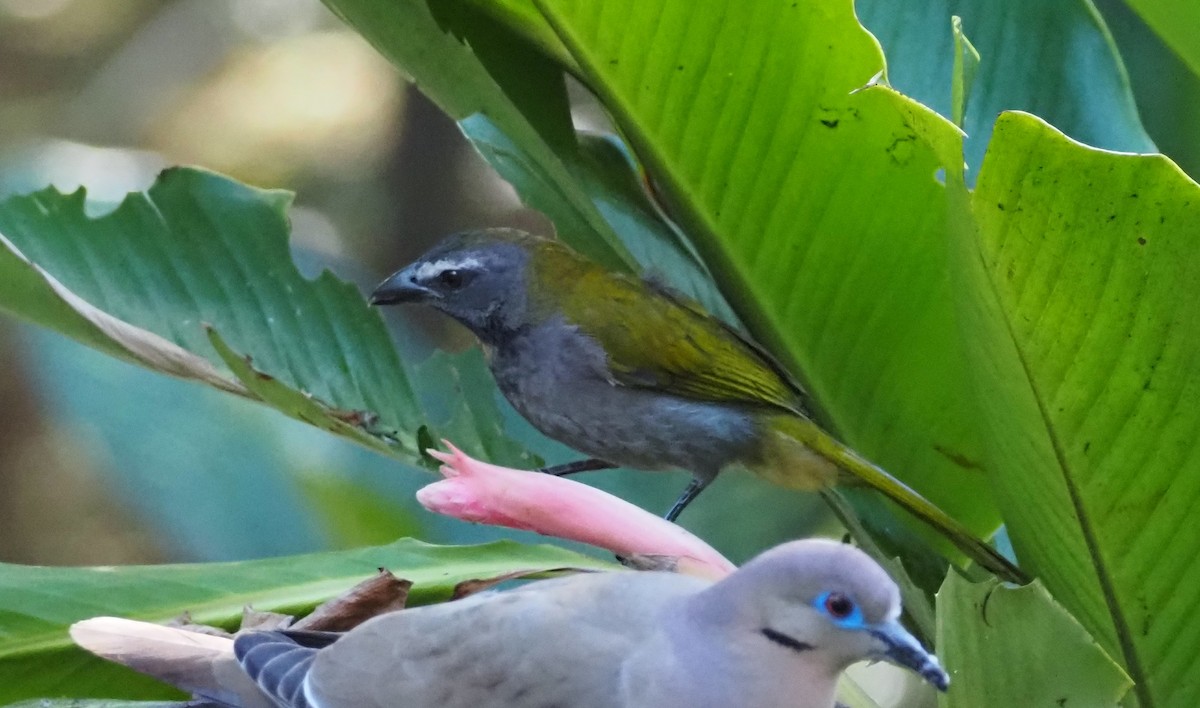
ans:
x=692 y=491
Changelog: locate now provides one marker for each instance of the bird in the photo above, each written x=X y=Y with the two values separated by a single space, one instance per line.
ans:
x=778 y=631
x=634 y=374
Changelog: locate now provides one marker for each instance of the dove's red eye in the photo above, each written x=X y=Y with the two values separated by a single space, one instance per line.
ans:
x=838 y=605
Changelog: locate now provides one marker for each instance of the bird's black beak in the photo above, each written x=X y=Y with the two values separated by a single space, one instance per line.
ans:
x=903 y=649
x=400 y=287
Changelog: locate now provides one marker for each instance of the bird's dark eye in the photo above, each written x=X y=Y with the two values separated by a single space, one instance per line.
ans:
x=838 y=605
x=452 y=279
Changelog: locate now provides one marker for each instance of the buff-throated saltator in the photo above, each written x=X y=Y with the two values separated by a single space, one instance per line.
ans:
x=635 y=375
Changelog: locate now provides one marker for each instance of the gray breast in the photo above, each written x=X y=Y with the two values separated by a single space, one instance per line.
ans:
x=558 y=379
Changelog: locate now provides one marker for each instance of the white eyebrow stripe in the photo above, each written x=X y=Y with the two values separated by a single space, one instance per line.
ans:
x=428 y=271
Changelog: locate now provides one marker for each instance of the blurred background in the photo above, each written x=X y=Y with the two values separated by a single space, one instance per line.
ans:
x=104 y=463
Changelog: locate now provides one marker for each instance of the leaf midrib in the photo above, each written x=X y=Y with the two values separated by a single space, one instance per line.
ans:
x=1132 y=661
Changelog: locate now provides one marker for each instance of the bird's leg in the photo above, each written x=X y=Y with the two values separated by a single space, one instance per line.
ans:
x=568 y=468
x=692 y=491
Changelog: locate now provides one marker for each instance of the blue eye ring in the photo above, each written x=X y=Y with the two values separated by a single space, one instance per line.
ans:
x=841 y=609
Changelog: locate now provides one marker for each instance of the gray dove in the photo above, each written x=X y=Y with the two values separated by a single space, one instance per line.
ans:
x=777 y=632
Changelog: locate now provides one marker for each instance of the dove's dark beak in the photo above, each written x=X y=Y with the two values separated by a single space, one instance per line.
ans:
x=903 y=649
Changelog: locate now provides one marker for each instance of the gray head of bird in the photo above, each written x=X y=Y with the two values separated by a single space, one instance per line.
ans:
x=819 y=597
x=483 y=279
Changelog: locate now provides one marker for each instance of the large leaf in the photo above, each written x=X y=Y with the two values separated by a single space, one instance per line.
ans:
x=1080 y=306
x=1031 y=52
x=199 y=250
x=1176 y=22
x=991 y=637
x=38 y=659
x=800 y=195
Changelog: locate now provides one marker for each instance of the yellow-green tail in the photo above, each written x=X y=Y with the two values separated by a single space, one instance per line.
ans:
x=800 y=455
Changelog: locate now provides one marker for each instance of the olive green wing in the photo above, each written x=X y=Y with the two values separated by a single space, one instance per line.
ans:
x=657 y=339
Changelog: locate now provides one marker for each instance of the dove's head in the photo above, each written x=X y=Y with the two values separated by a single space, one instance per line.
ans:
x=827 y=599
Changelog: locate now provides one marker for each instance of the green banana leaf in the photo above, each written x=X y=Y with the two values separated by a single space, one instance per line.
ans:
x=192 y=277
x=37 y=604
x=1079 y=278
